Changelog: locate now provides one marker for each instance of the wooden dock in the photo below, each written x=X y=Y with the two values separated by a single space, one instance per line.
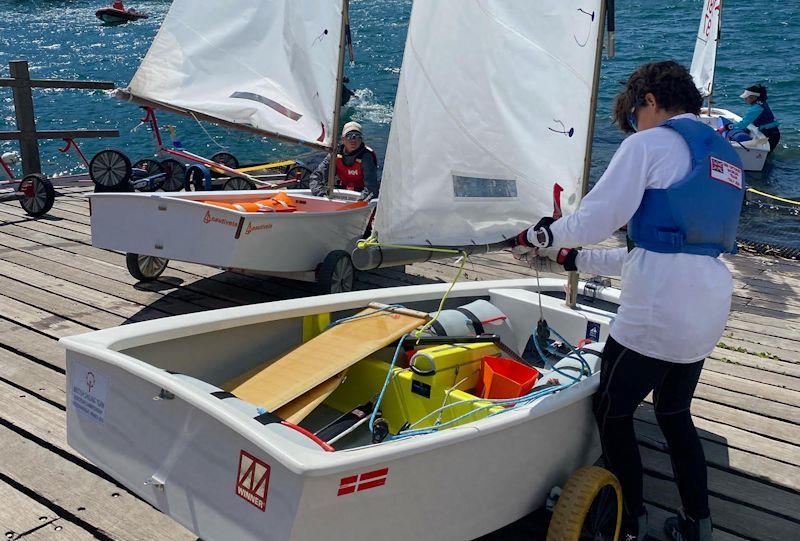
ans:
x=53 y=283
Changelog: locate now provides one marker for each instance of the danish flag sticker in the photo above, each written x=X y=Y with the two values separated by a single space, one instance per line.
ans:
x=252 y=480
x=362 y=481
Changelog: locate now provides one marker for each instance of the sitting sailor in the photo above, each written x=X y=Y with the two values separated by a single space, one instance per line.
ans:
x=679 y=187
x=118 y=5
x=759 y=114
x=356 y=166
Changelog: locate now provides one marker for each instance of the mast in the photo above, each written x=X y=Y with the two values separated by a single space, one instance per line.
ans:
x=572 y=279
x=337 y=106
x=716 y=46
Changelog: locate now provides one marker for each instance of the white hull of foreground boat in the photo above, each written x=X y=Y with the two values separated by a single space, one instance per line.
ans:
x=182 y=227
x=225 y=476
x=753 y=153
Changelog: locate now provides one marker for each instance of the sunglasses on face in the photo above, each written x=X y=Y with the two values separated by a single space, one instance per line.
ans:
x=353 y=136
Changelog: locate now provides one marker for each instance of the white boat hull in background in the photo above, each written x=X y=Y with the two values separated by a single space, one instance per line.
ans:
x=182 y=450
x=180 y=227
x=753 y=153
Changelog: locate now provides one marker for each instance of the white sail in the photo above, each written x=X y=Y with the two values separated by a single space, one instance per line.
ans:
x=268 y=64
x=492 y=111
x=705 y=48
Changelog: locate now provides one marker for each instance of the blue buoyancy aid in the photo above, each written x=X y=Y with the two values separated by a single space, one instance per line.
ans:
x=699 y=214
x=766 y=119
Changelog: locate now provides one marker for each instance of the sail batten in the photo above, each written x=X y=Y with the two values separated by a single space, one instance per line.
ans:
x=268 y=66
x=492 y=112
x=705 y=49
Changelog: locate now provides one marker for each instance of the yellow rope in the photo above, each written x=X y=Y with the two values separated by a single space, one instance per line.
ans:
x=373 y=241
x=775 y=197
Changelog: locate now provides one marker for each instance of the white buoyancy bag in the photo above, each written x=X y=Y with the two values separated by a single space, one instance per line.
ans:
x=477 y=317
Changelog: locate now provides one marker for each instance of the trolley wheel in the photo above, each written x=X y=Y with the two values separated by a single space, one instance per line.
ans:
x=336 y=273
x=227 y=159
x=196 y=177
x=110 y=168
x=145 y=267
x=590 y=507
x=151 y=168
x=300 y=173
x=239 y=183
x=175 y=177
x=38 y=194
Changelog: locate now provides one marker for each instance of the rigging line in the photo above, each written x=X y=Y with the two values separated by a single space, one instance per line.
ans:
x=205 y=131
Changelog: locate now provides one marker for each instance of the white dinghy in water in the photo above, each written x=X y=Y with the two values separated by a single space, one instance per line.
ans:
x=356 y=416
x=704 y=61
x=267 y=67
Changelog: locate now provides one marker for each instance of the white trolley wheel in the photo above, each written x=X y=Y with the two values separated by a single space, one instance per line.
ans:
x=336 y=273
x=145 y=268
x=226 y=158
x=589 y=507
x=239 y=183
x=175 y=175
x=110 y=168
x=38 y=194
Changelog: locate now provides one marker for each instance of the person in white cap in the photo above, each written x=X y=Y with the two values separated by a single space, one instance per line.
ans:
x=356 y=166
x=759 y=114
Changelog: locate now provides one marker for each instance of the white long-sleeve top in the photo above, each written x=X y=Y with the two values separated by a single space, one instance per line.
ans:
x=673 y=307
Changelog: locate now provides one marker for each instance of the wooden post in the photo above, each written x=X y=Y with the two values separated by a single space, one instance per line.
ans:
x=26 y=121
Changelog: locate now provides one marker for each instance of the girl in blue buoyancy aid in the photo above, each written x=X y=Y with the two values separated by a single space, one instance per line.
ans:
x=679 y=186
x=759 y=114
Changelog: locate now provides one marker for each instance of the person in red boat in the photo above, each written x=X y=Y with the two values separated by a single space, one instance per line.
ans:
x=118 y=5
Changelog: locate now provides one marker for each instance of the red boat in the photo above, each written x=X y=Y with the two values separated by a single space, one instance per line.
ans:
x=117 y=14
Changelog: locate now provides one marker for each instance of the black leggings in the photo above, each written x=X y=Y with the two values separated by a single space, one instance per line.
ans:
x=625 y=380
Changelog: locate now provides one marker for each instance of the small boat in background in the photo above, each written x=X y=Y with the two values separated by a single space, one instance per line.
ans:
x=117 y=14
x=754 y=146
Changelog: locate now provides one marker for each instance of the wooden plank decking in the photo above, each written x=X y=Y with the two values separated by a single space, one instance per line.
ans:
x=53 y=283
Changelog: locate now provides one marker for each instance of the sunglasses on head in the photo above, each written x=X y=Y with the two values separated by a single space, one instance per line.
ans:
x=353 y=136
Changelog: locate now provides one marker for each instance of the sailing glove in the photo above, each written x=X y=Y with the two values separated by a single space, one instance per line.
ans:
x=564 y=256
x=538 y=236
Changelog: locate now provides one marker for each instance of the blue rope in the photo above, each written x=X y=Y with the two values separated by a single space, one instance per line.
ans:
x=389 y=374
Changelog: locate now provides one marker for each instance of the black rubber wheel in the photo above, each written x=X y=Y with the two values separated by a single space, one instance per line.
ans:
x=336 y=273
x=145 y=268
x=300 y=173
x=239 y=183
x=38 y=194
x=175 y=175
x=227 y=159
x=147 y=168
x=110 y=169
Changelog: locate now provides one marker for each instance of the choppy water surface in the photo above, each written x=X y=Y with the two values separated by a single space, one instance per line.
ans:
x=63 y=39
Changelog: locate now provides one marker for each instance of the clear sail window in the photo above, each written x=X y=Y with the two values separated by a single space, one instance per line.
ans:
x=478 y=187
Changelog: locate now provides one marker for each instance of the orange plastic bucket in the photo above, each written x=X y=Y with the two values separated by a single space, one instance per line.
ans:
x=506 y=378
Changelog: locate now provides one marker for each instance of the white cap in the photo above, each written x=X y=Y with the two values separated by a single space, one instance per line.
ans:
x=351 y=126
x=748 y=93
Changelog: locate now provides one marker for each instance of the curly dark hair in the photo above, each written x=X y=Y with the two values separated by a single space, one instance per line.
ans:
x=668 y=81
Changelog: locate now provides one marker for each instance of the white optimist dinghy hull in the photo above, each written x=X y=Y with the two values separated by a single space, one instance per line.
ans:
x=141 y=408
x=753 y=153
x=184 y=227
